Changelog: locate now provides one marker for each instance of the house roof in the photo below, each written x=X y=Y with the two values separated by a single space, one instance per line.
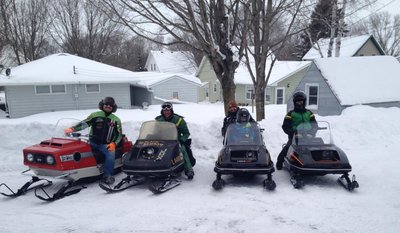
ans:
x=64 y=68
x=349 y=46
x=173 y=61
x=362 y=80
x=280 y=70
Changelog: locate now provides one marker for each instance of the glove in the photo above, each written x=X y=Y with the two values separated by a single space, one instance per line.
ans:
x=111 y=146
x=68 y=130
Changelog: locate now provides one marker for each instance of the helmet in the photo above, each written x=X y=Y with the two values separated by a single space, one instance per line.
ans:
x=167 y=105
x=299 y=95
x=109 y=101
x=243 y=115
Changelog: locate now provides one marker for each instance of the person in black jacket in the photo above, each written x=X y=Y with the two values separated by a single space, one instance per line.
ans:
x=233 y=110
x=299 y=115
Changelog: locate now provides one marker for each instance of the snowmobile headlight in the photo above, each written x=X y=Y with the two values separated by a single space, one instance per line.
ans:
x=30 y=157
x=50 y=160
x=327 y=154
x=249 y=154
x=150 y=151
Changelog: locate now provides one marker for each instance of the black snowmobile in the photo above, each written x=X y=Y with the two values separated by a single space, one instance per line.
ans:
x=312 y=153
x=155 y=158
x=244 y=153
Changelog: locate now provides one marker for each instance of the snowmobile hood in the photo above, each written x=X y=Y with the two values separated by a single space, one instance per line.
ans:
x=54 y=144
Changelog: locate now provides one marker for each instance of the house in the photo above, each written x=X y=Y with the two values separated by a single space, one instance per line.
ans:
x=170 y=87
x=66 y=82
x=333 y=84
x=171 y=62
x=354 y=46
x=285 y=76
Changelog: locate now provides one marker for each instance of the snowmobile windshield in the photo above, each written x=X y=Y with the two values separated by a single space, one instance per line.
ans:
x=81 y=129
x=245 y=133
x=313 y=134
x=158 y=130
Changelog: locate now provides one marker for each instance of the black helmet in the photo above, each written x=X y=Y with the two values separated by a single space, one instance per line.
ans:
x=299 y=95
x=243 y=115
x=109 y=101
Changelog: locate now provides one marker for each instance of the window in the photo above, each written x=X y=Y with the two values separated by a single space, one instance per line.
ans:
x=92 y=88
x=206 y=91
x=175 y=95
x=58 y=89
x=312 y=94
x=50 y=89
x=268 y=95
x=42 y=89
x=280 y=96
x=215 y=87
x=249 y=92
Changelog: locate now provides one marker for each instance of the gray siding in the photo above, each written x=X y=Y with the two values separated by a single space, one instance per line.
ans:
x=328 y=104
x=187 y=91
x=23 y=101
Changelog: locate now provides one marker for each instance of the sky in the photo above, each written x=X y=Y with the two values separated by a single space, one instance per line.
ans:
x=369 y=136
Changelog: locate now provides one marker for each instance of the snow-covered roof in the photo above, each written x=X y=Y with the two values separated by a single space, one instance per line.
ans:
x=64 y=68
x=280 y=70
x=173 y=61
x=349 y=47
x=162 y=77
x=362 y=80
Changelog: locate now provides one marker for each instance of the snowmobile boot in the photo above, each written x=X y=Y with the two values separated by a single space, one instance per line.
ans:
x=279 y=165
x=189 y=174
x=108 y=179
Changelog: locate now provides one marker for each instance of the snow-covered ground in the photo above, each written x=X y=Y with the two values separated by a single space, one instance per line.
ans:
x=369 y=136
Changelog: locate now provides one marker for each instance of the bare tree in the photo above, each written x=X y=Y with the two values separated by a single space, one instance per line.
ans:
x=82 y=28
x=213 y=24
x=25 y=23
x=271 y=27
x=385 y=28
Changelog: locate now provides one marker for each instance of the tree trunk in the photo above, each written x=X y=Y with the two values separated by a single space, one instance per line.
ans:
x=340 y=29
x=260 y=103
x=333 y=27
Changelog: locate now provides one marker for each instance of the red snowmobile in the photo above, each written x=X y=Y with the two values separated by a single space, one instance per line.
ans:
x=69 y=157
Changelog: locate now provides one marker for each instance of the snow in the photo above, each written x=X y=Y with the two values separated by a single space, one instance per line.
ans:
x=368 y=135
x=349 y=46
x=362 y=80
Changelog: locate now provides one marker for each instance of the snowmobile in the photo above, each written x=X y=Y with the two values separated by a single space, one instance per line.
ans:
x=155 y=158
x=244 y=153
x=313 y=153
x=68 y=157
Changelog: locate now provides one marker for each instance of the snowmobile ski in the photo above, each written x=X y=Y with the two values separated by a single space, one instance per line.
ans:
x=64 y=191
x=165 y=185
x=26 y=187
x=348 y=184
x=124 y=184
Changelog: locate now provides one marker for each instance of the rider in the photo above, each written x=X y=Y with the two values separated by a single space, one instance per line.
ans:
x=105 y=134
x=231 y=117
x=299 y=115
x=167 y=114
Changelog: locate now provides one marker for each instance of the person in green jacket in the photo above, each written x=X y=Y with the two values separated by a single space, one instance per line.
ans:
x=299 y=115
x=105 y=134
x=167 y=114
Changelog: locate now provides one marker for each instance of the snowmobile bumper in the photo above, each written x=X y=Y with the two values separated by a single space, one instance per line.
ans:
x=253 y=170
x=154 y=172
x=315 y=171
